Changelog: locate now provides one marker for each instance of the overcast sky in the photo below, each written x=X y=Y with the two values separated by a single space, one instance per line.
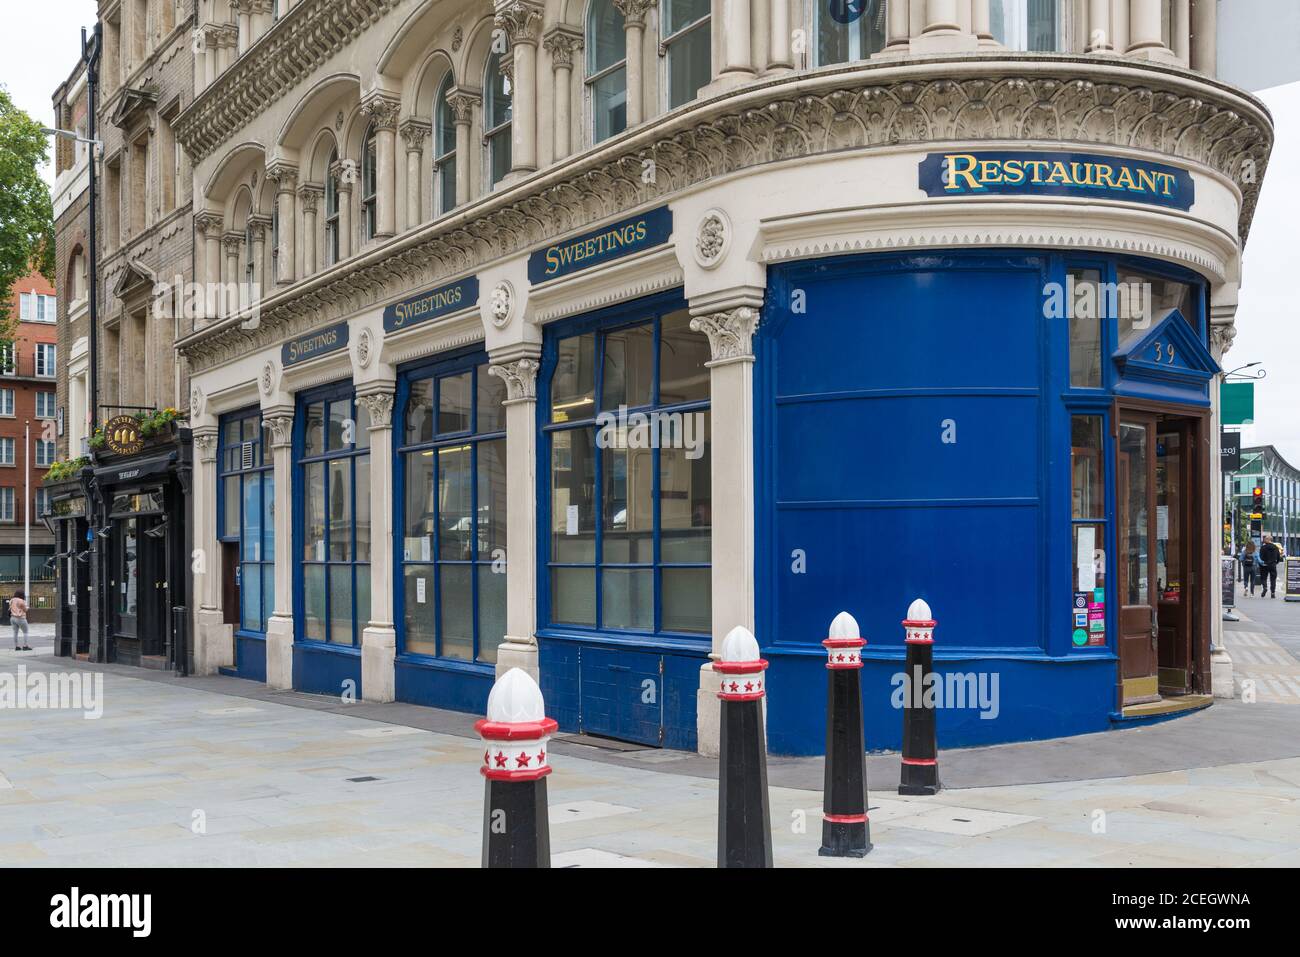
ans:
x=41 y=41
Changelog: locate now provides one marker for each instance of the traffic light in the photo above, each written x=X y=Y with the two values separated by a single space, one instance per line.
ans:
x=1257 y=502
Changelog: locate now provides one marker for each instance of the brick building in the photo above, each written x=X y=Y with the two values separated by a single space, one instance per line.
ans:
x=27 y=399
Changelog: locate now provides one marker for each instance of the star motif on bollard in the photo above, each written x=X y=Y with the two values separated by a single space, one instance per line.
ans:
x=749 y=686
x=487 y=757
x=523 y=759
x=840 y=656
x=734 y=686
x=501 y=759
x=541 y=757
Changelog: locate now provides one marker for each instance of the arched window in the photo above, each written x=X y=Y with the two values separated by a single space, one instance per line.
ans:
x=848 y=30
x=1026 y=24
x=369 y=184
x=496 y=120
x=444 y=150
x=606 y=70
x=250 y=264
x=686 y=46
x=332 y=210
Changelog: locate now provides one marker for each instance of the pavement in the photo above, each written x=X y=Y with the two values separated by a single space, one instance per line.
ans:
x=221 y=772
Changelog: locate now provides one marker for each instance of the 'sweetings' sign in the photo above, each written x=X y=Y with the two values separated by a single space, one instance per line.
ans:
x=442 y=301
x=623 y=238
x=314 y=344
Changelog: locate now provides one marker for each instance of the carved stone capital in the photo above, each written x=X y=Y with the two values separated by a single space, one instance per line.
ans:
x=414 y=132
x=562 y=42
x=205 y=445
x=462 y=103
x=1221 y=336
x=521 y=20
x=344 y=172
x=633 y=11
x=259 y=224
x=284 y=175
x=731 y=333
x=310 y=196
x=382 y=110
x=379 y=406
x=232 y=243
x=520 y=378
x=208 y=224
x=281 y=427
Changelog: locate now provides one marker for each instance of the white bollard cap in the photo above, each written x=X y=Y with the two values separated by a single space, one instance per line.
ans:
x=740 y=645
x=844 y=626
x=919 y=610
x=515 y=698
x=844 y=643
x=740 y=666
x=919 y=625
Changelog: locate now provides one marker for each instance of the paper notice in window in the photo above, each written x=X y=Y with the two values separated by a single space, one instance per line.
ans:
x=1162 y=523
x=1087 y=543
x=571 y=520
x=425 y=555
x=419 y=590
x=320 y=551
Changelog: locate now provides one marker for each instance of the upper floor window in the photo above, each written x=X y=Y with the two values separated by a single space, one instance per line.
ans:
x=36 y=307
x=6 y=504
x=1027 y=24
x=45 y=358
x=847 y=31
x=686 y=46
x=606 y=69
x=6 y=401
x=444 y=150
x=8 y=358
x=250 y=266
x=369 y=185
x=332 y=210
x=6 y=451
x=45 y=403
x=44 y=453
x=496 y=120
x=275 y=242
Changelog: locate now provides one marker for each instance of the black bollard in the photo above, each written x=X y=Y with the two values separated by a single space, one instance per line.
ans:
x=920 y=745
x=515 y=733
x=744 y=821
x=846 y=827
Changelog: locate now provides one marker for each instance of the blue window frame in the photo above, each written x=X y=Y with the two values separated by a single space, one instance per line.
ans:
x=332 y=516
x=246 y=512
x=451 y=480
x=625 y=472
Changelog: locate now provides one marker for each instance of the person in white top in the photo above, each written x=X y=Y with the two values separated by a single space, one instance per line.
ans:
x=18 y=616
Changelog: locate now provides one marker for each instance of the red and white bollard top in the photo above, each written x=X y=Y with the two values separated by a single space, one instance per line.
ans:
x=516 y=731
x=918 y=624
x=845 y=642
x=740 y=666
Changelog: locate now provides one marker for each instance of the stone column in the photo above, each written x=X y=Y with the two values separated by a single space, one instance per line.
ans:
x=214 y=640
x=209 y=53
x=279 y=628
x=379 y=638
x=1119 y=24
x=521 y=20
x=779 y=53
x=982 y=24
x=344 y=172
x=897 y=30
x=947 y=29
x=519 y=372
x=462 y=109
x=561 y=42
x=259 y=225
x=737 y=57
x=940 y=16
x=1205 y=27
x=1100 y=37
x=286 y=178
x=1145 y=40
x=233 y=244
x=634 y=12
x=262 y=18
x=309 y=198
x=207 y=261
x=414 y=132
x=1180 y=31
x=245 y=36
x=731 y=377
x=229 y=48
x=382 y=109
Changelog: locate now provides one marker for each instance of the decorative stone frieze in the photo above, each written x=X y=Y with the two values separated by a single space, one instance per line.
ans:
x=1060 y=99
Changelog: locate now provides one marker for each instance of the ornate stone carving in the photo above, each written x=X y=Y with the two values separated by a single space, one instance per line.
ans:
x=205 y=446
x=502 y=303
x=267 y=380
x=462 y=105
x=310 y=196
x=364 y=349
x=382 y=109
x=457 y=38
x=1163 y=111
x=208 y=223
x=281 y=430
x=520 y=19
x=520 y=378
x=196 y=402
x=414 y=132
x=379 y=406
x=562 y=42
x=712 y=238
x=731 y=333
x=1221 y=336
x=284 y=175
x=345 y=171
x=232 y=243
x=633 y=11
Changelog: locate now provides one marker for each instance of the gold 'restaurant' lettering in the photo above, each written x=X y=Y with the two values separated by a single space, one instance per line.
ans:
x=970 y=173
x=566 y=254
x=309 y=344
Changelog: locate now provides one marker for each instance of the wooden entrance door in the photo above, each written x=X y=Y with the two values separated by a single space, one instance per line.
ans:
x=1177 y=504
x=1135 y=459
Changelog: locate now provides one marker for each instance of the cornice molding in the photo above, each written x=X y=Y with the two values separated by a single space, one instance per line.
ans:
x=1048 y=100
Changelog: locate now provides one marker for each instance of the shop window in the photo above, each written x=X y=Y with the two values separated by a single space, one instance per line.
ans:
x=453 y=462
x=1027 y=24
x=246 y=512
x=497 y=106
x=332 y=210
x=1085 y=310
x=1088 y=515
x=841 y=37
x=606 y=44
x=444 y=150
x=334 y=472
x=630 y=496
x=369 y=185
x=686 y=48
x=1150 y=298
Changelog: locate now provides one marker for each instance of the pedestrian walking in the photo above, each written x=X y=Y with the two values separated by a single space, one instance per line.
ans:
x=1248 y=568
x=18 y=618
x=1269 y=556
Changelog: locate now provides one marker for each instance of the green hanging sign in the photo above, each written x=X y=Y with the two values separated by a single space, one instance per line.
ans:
x=1237 y=403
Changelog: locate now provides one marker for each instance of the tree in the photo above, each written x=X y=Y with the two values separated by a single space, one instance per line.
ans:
x=26 y=213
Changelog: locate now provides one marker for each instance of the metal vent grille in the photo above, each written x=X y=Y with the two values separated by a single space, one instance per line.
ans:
x=246 y=456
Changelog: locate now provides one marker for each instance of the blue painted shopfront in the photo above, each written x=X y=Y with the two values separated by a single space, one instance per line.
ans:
x=916 y=420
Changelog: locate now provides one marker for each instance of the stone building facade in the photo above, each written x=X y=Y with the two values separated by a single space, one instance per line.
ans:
x=829 y=243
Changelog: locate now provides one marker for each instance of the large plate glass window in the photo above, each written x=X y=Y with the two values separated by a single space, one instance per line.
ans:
x=849 y=29
x=246 y=513
x=333 y=449
x=1027 y=24
x=452 y=456
x=628 y=437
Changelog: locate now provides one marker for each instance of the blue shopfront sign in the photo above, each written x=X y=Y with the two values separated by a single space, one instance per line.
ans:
x=314 y=344
x=432 y=304
x=623 y=238
x=1033 y=173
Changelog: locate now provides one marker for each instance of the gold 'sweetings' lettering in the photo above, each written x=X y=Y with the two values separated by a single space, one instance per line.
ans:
x=305 y=347
x=415 y=309
x=568 y=254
